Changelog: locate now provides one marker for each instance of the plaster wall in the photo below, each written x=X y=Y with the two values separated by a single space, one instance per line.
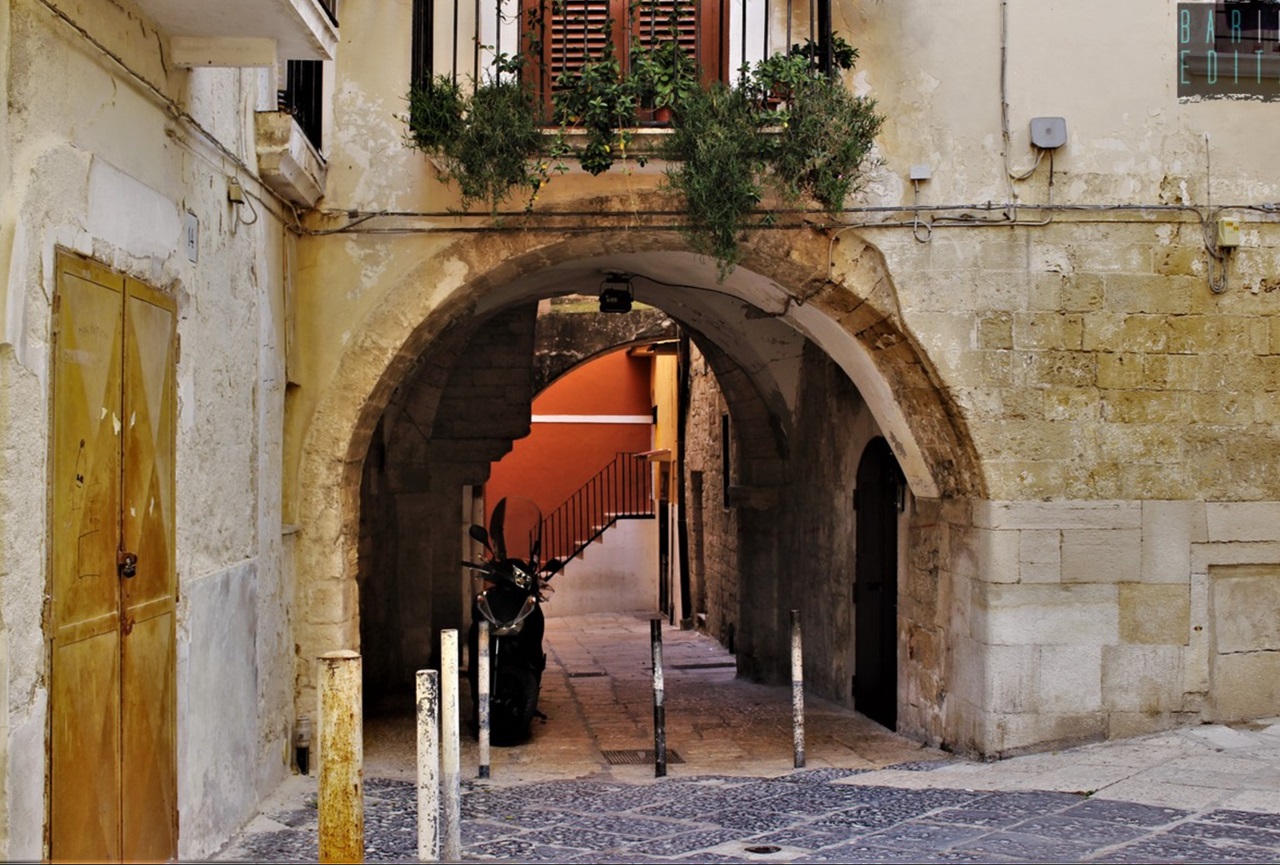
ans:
x=617 y=573
x=560 y=454
x=95 y=162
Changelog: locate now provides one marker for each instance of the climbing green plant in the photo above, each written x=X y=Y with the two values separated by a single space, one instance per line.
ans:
x=717 y=162
x=805 y=157
x=488 y=139
x=774 y=132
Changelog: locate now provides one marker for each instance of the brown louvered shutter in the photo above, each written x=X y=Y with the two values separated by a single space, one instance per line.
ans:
x=581 y=30
x=698 y=27
x=568 y=33
x=651 y=23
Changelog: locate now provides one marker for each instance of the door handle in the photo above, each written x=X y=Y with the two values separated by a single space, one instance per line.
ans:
x=126 y=563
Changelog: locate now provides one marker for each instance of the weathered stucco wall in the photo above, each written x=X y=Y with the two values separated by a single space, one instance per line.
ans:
x=616 y=573
x=94 y=161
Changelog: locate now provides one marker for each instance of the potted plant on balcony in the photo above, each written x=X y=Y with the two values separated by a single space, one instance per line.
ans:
x=435 y=112
x=596 y=100
x=717 y=164
x=662 y=77
x=785 y=130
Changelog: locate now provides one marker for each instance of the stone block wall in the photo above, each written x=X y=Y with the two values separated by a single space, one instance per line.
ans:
x=815 y=527
x=714 y=556
x=1124 y=419
x=1093 y=361
x=1102 y=619
x=794 y=548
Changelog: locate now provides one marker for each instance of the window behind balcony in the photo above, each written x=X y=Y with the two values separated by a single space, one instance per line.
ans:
x=461 y=38
x=302 y=97
x=574 y=32
x=330 y=8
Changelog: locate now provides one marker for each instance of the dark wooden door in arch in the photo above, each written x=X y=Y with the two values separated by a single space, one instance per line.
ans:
x=878 y=500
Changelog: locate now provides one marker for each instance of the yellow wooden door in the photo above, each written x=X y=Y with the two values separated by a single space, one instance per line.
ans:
x=112 y=745
x=85 y=676
x=148 y=693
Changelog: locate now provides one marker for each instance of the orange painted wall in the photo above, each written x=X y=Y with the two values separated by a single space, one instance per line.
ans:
x=555 y=459
x=613 y=383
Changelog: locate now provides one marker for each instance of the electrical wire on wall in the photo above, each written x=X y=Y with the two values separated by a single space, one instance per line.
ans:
x=1217 y=284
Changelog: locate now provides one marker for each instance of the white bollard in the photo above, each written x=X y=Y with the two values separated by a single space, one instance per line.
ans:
x=340 y=803
x=797 y=691
x=450 y=780
x=482 y=696
x=428 y=705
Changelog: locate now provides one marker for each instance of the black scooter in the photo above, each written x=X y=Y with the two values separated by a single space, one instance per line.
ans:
x=510 y=601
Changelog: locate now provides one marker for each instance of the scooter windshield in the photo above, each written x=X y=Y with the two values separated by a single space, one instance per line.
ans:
x=516 y=529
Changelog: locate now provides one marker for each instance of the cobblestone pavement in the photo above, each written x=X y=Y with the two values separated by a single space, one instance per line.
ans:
x=808 y=816
x=1202 y=794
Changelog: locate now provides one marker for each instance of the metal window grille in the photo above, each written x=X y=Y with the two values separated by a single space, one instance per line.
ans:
x=302 y=96
x=330 y=8
x=461 y=38
x=423 y=38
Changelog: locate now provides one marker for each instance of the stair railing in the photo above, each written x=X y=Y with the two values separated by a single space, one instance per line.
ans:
x=623 y=488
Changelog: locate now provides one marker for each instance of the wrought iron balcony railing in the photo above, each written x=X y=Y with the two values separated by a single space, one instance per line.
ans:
x=462 y=38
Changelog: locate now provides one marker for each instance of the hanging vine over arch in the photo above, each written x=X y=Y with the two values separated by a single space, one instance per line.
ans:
x=767 y=137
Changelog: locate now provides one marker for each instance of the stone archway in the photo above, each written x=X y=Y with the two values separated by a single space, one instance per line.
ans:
x=836 y=292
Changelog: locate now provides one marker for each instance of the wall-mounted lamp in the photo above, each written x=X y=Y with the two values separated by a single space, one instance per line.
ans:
x=616 y=294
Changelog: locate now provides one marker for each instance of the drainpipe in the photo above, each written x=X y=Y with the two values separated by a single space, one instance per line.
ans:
x=682 y=519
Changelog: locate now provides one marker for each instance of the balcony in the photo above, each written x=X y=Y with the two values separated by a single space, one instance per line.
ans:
x=462 y=40
x=246 y=32
x=287 y=160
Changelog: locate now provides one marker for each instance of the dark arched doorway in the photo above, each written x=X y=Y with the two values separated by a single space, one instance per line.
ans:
x=879 y=497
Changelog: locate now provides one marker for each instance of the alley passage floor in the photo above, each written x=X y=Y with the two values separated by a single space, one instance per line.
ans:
x=1203 y=794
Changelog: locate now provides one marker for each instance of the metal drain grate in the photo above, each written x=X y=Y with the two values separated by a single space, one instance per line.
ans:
x=588 y=674
x=638 y=757
x=715 y=665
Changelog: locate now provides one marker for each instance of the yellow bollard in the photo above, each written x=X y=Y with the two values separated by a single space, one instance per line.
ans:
x=341 y=798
